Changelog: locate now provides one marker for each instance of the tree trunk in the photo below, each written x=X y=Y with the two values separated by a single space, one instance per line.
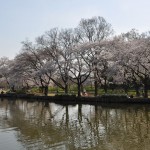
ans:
x=145 y=90
x=105 y=85
x=96 y=88
x=66 y=89
x=79 y=89
x=137 y=91
x=13 y=88
x=95 y=75
x=46 y=90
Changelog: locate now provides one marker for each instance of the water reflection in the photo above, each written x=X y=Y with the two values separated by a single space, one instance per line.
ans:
x=37 y=125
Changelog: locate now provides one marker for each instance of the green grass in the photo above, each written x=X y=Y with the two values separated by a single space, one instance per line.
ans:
x=89 y=90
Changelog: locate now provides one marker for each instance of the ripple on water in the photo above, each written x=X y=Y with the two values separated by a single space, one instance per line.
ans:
x=8 y=139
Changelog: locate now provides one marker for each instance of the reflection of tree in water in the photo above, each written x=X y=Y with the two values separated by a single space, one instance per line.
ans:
x=4 y=113
x=83 y=126
x=121 y=128
x=33 y=124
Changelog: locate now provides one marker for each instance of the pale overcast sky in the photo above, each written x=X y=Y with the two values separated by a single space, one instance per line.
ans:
x=21 y=19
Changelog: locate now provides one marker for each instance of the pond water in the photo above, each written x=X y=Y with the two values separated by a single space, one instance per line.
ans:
x=48 y=126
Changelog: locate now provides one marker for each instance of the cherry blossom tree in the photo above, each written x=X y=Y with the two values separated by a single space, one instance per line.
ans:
x=80 y=69
x=38 y=68
x=91 y=30
x=5 y=70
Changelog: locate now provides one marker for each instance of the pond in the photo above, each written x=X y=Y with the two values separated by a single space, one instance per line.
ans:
x=28 y=125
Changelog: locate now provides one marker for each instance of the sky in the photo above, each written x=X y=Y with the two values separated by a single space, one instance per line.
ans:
x=28 y=19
